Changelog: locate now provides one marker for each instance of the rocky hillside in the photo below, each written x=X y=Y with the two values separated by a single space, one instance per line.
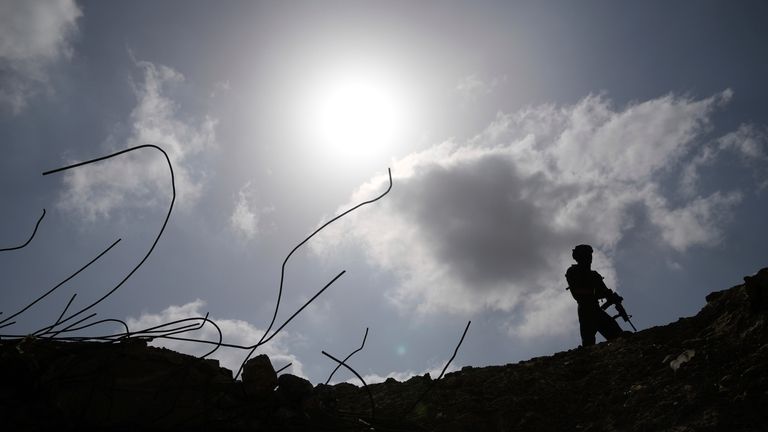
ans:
x=704 y=373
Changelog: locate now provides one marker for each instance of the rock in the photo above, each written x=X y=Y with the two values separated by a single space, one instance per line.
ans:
x=757 y=290
x=259 y=377
x=713 y=296
x=323 y=399
x=684 y=357
x=292 y=390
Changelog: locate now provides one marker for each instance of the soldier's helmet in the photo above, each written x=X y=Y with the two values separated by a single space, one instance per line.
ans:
x=582 y=252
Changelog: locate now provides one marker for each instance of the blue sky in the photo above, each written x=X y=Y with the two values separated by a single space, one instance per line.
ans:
x=514 y=131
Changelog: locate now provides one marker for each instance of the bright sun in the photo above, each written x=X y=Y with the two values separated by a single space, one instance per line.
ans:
x=356 y=116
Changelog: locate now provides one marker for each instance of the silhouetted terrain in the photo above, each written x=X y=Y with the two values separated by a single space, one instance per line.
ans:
x=704 y=373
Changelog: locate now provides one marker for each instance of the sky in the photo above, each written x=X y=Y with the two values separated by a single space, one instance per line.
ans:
x=513 y=131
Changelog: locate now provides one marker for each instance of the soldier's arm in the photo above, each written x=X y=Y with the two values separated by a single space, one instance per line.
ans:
x=569 y=277
x=601 y=290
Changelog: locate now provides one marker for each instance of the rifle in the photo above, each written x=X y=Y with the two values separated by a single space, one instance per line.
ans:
x=616 y=300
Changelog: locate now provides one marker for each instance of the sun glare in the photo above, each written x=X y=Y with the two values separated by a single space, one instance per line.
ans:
x=356 y=115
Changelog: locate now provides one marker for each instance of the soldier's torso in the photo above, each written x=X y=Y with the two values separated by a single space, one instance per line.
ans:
x=585 y=284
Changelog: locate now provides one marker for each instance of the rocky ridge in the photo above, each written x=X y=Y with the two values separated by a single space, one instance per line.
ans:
x=703 y=373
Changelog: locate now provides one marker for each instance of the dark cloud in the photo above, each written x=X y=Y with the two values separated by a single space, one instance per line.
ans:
x=481 y=220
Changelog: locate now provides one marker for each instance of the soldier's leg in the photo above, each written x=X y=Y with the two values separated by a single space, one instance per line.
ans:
x=587 y=325
x=607 y=326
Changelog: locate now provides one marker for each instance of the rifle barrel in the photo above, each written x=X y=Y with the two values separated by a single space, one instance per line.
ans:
x=633 y=326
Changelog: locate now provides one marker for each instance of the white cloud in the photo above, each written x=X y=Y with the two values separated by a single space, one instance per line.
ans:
x=696 y=223
x=373 y=378
x=245 y=221
x=33 y=35
x=749 y=140
x=472 y=87
x=489 y=224
x=689 y=178
x=236 y=332
x=142 y=179
x=751 y=143
x=546 y=313
x=220 y=87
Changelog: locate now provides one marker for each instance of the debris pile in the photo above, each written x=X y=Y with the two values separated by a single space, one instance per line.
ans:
x=703 y=373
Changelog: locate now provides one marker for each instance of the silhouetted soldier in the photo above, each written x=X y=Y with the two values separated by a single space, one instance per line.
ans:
x=587 y=286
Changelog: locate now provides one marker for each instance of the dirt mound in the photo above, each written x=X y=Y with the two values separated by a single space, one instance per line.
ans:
x=703 y=373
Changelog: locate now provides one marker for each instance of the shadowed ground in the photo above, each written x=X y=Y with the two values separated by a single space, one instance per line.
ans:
x=703 y=373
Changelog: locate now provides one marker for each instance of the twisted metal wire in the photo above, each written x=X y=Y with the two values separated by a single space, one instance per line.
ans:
x=30 y=237
x=159 y=234
x=4 y=323
x=432 y=384
x=264 y=339
x=368 y=390
x=362 y=345
x=65 y=325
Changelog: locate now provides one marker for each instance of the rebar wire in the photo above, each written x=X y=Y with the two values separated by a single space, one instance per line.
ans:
x=253 y=347
x=30 y=237
x=117 y=337
x=365 y=336
x=432 y=385
x=283 y=368
x=72 y=325
x=203 y=341
x=159 y=234
x=151 y=332
x=155 y=332
x=455 y=350
x=204 y=320
x=74 y=329
x=43 y=330
x=65 y=310
x=162 y=330
x=179 y=321
x=368 y=390
x=282 y=270
x=303 y=307
x=57 y=286
x=218 y=330
x=148 y=334
x=168 y=334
